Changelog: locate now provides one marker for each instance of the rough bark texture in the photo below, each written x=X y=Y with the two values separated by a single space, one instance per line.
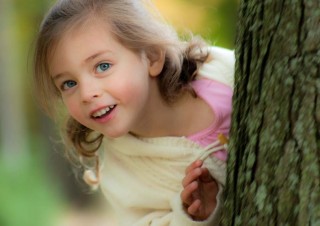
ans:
x=274 y=163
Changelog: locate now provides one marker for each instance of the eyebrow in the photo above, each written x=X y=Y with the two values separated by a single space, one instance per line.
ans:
x=96 y=55
x=57 y=76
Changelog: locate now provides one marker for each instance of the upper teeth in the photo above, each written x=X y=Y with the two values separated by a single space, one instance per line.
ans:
x=102 y=111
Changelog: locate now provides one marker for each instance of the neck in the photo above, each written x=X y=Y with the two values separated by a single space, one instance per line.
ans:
x=177 y=119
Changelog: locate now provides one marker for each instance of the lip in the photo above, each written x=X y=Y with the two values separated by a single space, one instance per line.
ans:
x=105 y=118
x=100 y=108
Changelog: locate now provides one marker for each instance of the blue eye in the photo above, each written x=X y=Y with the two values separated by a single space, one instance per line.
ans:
x=103 y=67
x=68 y=84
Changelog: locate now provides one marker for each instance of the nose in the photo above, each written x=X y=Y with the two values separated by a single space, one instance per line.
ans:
x=90 y=91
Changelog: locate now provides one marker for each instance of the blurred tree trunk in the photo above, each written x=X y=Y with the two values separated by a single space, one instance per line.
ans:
x=274 y=164
x=13 y=142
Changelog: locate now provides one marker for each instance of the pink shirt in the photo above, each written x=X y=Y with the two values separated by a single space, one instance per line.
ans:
x=219 y=98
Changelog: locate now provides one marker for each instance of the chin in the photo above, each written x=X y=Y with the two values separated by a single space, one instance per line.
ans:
x=115 y=133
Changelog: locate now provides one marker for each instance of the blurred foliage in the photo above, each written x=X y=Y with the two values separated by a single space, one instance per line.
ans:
x=28 y=194
x=214 y=20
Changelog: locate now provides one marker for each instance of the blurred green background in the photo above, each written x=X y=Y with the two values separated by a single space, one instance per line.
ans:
x=38 y=187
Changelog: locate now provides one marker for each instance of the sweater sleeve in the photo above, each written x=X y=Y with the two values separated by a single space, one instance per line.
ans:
x=180 y=217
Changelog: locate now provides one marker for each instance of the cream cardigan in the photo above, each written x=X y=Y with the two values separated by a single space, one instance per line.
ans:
x=141 y=177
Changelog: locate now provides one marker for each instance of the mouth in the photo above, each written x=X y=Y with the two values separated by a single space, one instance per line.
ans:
x=103 y=112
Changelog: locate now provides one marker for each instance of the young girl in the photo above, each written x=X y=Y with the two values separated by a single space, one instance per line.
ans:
x=145 y=109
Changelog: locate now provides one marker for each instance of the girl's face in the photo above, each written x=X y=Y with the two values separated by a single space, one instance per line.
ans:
x=104 y=85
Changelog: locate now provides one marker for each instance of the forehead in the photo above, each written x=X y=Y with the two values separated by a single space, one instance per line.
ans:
x=81 y=41
x=85 y=30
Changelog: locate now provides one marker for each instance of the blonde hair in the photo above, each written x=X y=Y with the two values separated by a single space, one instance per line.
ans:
x=139 y=27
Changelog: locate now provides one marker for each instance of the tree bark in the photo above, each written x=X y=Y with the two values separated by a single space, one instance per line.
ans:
x=274 y=162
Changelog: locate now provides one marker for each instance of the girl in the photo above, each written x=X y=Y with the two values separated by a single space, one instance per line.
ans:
x=144 y=108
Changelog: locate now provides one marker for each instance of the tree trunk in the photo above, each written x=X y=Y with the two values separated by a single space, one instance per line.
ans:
x=274 y=163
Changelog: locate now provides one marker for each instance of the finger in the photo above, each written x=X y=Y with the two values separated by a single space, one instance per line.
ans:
x=195 y=164
x=205 y=175
x=193 y=209
x=191 y=176
x=187 y=193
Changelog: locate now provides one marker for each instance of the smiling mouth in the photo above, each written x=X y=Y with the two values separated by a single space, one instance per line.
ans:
x=103 y=112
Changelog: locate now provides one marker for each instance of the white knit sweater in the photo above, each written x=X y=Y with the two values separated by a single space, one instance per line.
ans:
x=141 y=177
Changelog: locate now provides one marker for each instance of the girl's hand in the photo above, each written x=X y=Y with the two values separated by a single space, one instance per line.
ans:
x=200 y=191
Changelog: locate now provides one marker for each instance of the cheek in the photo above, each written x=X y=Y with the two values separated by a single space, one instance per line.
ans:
x=132 y=91
x=72 y=108
x=131 y=81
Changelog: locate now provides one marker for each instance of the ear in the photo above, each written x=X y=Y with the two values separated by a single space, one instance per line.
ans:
x=156 y=62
